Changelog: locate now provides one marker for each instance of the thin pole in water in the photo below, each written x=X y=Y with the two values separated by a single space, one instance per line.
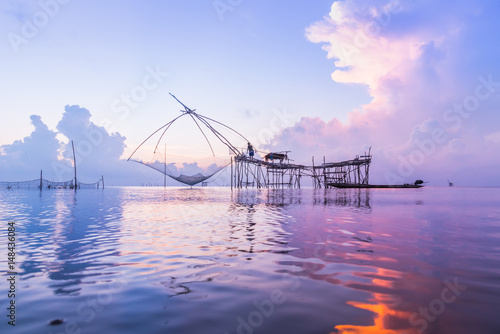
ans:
x=74 y=162
x=165 y=169
x=40 y=180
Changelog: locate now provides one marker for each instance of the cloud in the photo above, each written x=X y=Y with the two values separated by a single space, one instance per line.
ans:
x=26 y=157
x=432 y=71
x=95 y=148
x=493 y=137
x=98 y=153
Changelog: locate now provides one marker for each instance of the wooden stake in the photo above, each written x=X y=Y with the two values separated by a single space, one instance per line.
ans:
x=165 y=169
x=74 y=162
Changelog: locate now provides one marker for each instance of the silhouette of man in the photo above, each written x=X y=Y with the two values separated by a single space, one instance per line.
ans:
x=251 y=151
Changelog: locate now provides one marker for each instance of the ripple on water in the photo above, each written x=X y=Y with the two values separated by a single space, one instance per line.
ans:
x=210 y=260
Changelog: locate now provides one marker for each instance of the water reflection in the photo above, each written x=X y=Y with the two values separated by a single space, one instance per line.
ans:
x=66 y=239
x=384 y=255
x=200 y=260
x=348 y=249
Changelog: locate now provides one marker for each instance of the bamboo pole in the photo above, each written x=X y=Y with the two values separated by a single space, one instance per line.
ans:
x=359 y=174
x=314 y=172
x=325 y=175
x=74 y=162
x=368 y=173
x=165 y=169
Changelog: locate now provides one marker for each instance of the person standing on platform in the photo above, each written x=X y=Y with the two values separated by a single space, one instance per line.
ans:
x=251 y=151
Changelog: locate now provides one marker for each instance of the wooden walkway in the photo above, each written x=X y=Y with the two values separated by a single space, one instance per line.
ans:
x=252 y=172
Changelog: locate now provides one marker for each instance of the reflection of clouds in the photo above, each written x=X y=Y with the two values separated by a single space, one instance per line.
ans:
x=348 y=245
x=336 y=252
x=341 y=241
x=386 y=320
x=391 y=256
x=390 y=295
x=67 y=239
x=384 y=303
x=185 y=238
x=191 y=251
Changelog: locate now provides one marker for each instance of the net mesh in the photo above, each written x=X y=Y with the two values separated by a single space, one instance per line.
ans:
x=47 y=184
x=186 y=170
x=192 y=134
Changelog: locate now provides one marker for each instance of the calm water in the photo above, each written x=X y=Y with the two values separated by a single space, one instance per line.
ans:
x=208 y=260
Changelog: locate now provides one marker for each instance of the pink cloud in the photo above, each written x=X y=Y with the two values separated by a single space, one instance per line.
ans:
x=417 y=65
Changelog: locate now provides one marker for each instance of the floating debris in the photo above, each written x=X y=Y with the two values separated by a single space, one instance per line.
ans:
x=56 y=322
x=368 y=239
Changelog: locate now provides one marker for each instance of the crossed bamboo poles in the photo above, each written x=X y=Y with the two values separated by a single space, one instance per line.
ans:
x=196 y=118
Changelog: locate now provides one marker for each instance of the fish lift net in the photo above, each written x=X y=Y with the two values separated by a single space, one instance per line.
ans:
x=190 y=149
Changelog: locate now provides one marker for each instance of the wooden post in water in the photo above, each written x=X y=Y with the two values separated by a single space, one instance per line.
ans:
x=165 y=169
x=314 y=172
x=359 y=175
x=231 y=172
x=246 y=174
x=74 y=162
x=40 y=180
x=325 y=172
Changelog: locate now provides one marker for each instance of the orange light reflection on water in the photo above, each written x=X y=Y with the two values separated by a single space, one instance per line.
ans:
x=381 y=307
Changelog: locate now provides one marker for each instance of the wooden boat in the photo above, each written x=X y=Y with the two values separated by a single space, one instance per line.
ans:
x=384 y=186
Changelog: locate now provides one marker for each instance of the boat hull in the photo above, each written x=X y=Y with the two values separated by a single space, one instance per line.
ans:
x=383 y=186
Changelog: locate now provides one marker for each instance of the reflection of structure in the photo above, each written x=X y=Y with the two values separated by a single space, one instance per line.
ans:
x=359 y=198
x=355 y=198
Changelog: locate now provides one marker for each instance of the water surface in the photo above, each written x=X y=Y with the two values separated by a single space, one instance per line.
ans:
x=211 y=260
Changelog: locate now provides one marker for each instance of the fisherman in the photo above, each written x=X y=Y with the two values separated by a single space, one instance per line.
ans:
x=251 y=151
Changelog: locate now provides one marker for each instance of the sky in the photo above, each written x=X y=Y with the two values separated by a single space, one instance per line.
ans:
x=417 y=81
